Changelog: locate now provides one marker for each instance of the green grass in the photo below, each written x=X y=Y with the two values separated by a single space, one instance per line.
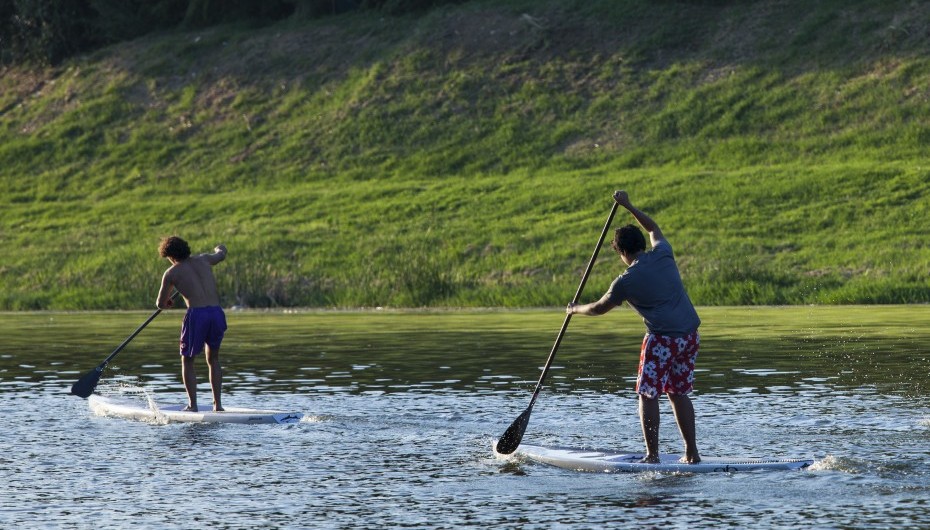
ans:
x=466 y=158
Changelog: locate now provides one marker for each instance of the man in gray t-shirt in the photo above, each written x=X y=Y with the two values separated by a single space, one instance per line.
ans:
x=652 y=286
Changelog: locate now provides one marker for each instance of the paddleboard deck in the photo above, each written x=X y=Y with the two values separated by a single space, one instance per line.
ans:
x=608 y=461
x=133 y=409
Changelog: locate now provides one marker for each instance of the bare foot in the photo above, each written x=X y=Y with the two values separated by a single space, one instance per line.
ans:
x=690 y=460
x=649 y=460
x=218 y=409
x=190 y=408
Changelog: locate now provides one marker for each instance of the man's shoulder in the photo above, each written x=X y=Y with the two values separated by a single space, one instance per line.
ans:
x=662 y=246
x=200 y=258
x=211 y=259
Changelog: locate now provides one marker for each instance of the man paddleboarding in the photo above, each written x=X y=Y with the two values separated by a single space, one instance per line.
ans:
x=652 y=286
x=204 y=323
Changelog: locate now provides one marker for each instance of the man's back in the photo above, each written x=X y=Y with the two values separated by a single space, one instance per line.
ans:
x=653 y=287
x=193 y=277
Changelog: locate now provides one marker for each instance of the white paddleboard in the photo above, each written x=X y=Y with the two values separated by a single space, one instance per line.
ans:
x=134 y=409
x=607 y=461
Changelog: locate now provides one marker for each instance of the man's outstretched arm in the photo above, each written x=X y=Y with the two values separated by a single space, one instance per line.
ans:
x=593 y=309
x=165 y=300
x=219 y=254
x=655 y=234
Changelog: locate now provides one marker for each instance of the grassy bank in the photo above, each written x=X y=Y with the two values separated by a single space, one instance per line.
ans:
x=466 y=157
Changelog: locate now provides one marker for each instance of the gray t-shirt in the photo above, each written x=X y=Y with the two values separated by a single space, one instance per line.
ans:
x=652 y=286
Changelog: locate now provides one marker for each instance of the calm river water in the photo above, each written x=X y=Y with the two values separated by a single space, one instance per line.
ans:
x=404 y=408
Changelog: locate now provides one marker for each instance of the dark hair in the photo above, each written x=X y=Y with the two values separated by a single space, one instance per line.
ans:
x=628 y=240
x=174 y=247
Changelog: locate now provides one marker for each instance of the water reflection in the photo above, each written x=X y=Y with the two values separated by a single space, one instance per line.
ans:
x=363 y=353
x=648 y=501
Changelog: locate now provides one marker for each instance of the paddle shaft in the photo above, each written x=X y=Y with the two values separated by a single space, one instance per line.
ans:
x=85 y=386
x=129 y=339
x=568 y=316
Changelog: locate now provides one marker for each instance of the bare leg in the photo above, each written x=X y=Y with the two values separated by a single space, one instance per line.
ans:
x=189 y=375
x=649 y=417
x=216 y=377
x=684 y=416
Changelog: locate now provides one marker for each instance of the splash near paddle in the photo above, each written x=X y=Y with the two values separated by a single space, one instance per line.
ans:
x=608 y=461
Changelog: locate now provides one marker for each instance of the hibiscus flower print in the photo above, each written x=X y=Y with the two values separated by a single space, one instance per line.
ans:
x=649 y=370
x=647 y=390
x=663 y=353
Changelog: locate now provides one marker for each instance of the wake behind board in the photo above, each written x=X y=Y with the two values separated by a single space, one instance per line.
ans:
x=136 y=410
x=606 y=461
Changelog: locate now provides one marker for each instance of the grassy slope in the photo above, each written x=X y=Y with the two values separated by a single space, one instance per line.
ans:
x=466 y=158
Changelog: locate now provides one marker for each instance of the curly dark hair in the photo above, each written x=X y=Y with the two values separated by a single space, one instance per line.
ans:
x=628 y=240
x=174 y=247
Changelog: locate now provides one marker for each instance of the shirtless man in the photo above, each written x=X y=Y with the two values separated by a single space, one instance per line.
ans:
x=652 y=286
x=204 y=323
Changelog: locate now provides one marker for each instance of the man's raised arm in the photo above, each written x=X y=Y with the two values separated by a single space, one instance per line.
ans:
x=655 y=234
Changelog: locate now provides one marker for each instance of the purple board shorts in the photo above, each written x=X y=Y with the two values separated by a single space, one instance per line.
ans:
x=202 y=325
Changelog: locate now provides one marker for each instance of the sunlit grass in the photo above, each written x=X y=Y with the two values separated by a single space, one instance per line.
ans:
x=413 y=169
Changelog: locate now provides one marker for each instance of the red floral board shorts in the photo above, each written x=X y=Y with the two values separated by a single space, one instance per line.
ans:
x=666 y=364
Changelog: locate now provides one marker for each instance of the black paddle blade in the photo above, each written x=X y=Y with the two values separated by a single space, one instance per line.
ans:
x=509 y=442
x=85 y=386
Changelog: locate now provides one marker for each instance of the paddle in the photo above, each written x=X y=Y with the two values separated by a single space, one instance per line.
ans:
x=85 y=386
x=509 y=442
